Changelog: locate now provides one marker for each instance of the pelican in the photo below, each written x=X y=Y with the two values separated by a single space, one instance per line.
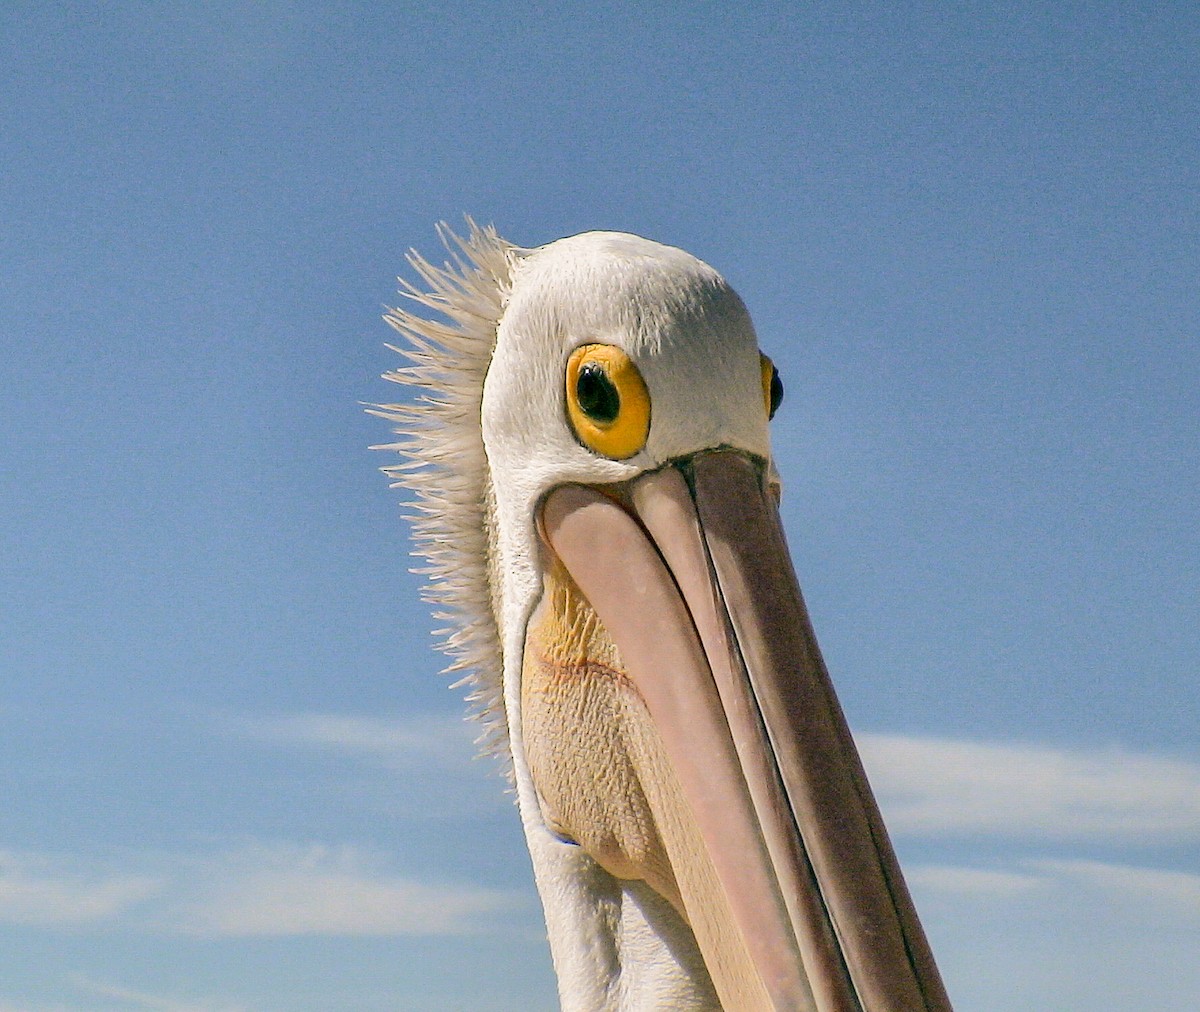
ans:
x=594 y=494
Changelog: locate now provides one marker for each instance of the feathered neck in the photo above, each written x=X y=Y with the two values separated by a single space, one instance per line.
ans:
x=445 y=466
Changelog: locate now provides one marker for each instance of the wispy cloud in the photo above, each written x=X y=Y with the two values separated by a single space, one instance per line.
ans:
x=42 y=890
x=390 y=741
x=940 y=787
x=261 y=890
x=333 y=891
x=134 y=999
x=1063 y=934
x=1161 y=889
x=429 y=766
x=947 y=879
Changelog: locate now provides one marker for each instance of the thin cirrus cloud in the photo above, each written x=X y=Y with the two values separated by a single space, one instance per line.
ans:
x=320 y=890
x=138 y=999
x=35 y=889
x=931 y=787
x=1171 y=893
x=951 y=880
x=1063 y=934
x=392 y=742
x=259 y=891
x=1177 y=892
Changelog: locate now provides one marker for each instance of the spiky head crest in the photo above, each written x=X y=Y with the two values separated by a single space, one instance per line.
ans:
x=444 y=464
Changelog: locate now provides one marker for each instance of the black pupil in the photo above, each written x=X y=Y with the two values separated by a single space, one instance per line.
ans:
x=776 y=392
x=598 y=398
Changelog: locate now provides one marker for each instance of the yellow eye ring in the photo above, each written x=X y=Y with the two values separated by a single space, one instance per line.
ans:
x=772 y=385
x=607 y=401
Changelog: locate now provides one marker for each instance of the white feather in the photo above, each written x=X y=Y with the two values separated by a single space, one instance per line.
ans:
x=445 y=466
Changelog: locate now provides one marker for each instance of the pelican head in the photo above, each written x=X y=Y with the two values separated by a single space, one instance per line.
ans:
x=595 y=495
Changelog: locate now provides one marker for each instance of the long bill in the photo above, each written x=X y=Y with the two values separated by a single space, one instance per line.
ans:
x=691 y=576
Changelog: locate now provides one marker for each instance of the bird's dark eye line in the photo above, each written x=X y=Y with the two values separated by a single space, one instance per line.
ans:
x=597 y=395
x=776 y=392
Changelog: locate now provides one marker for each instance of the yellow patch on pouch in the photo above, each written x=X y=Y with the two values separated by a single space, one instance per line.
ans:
x=584 y=729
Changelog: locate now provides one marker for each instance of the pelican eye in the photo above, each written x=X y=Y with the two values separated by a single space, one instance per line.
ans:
x=772 y=385
x=607 y=401
x=597 y=397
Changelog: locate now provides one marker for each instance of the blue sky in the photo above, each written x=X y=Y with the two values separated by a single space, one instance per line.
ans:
x=233 y=777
